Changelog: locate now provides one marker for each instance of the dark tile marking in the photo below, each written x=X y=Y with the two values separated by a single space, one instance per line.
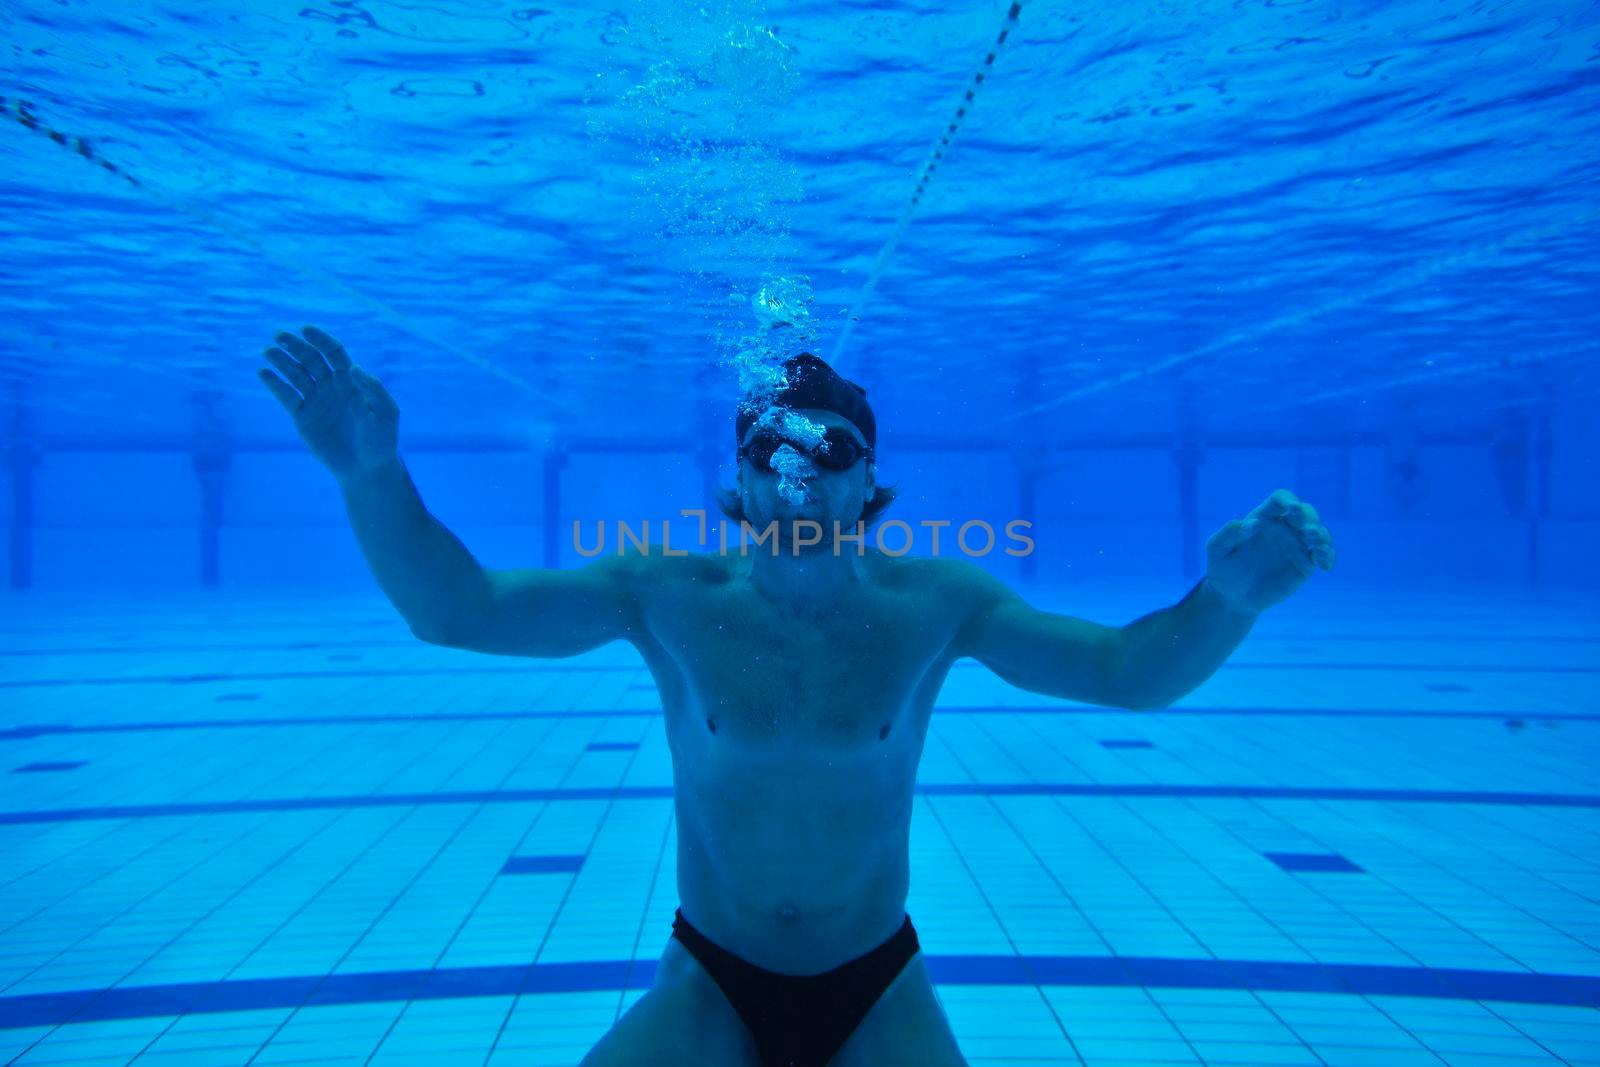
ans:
x=542 y=864
x=612 y=746
x=256 y=994
x=223 y=698
x=1130 y=743
x=48 y=765
x=1312 y=861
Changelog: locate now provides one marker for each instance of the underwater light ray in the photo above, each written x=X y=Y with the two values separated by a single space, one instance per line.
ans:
x=1404 y=279
x=1429 y=375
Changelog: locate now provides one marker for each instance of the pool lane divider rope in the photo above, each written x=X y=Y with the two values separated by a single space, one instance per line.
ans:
x=24 y=113
x=928 y=167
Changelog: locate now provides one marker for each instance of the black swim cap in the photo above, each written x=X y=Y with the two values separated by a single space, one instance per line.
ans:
x=813 y=384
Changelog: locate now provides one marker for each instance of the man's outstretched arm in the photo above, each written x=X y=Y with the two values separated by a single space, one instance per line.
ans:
x=1035 y=650
x=1168 y=653
x=449 y=598
x=1142 y=666
x=351 y=424
x=1252 y=564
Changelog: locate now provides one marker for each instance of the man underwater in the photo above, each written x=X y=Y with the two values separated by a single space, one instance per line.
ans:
x=797 y=687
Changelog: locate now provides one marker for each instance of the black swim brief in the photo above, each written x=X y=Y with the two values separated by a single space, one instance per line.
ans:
x=801 y=1020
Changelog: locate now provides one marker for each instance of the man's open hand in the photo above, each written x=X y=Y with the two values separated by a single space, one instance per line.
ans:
x=344 y=415
x=1257 y=561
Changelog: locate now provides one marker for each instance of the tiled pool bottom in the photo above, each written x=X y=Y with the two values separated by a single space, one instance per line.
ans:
x=237 y=831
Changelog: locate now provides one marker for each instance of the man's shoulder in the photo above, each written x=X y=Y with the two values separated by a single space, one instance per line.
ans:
x=960 y=578
x=654 y=565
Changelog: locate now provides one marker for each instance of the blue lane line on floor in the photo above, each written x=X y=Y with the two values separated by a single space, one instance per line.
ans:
x=271 y=676
x=543 y=865
x=1126 y=743
x=580 y=668
x=662 y=792
x=611 y=746
x=28 y=730
x=1312 y=861
x=292 y=646
x=256 y=994
x=49 y=765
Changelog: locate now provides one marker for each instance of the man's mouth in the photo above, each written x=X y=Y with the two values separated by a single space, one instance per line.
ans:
x=797 y=495
x=793 y=469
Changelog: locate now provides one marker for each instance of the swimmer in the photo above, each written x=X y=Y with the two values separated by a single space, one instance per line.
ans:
x=797 y=689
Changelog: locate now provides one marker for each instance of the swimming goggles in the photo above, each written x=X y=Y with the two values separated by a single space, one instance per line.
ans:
x=837 y=451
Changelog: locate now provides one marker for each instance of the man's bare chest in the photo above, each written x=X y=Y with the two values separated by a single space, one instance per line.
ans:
x=843 y=676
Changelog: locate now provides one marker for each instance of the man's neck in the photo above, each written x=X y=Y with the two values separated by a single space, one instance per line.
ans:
x=813 y=578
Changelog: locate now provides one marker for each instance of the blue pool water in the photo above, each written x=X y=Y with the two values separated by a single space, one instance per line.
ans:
x=1116 y=273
